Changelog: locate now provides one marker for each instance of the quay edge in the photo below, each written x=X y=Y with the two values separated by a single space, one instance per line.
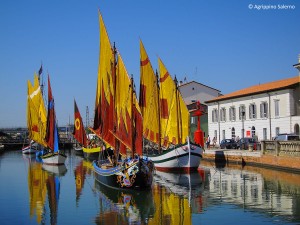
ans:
x=252 y=158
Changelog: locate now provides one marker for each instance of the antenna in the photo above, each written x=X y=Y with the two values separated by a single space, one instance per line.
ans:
x=87 y=117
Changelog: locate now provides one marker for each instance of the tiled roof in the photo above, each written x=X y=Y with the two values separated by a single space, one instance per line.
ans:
x=261 y=88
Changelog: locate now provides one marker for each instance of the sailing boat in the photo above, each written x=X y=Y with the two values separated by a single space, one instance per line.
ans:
x=54 y=156
x=36 y=116
x=166 y=120
x=90 y=152
x=79 y=131
x=118 y=122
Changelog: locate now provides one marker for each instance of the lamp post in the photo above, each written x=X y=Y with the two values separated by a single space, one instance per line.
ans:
x=243 y=130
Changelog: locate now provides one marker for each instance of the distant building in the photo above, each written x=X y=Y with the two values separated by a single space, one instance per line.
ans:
x=192 y=92
x=262 y=110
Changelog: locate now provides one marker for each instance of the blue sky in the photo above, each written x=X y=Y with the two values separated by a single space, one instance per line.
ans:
x=222 y=44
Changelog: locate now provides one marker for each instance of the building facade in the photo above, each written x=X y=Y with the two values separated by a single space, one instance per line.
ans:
x=192 y=92
x=260 y=111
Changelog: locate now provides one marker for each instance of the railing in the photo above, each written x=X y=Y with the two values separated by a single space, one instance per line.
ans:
x=281 y=148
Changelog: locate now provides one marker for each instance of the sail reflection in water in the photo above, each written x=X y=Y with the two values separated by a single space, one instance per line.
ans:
x=44 y=180
x=82 y=169
x=119 y=206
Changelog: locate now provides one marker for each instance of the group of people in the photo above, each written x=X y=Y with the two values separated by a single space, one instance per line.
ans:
x=207 y=142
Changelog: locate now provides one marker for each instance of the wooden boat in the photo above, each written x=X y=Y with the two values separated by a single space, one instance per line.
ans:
x=118 y=122
x=36 y=116
x=91 y=154
x=166 y=120
x=52 y=154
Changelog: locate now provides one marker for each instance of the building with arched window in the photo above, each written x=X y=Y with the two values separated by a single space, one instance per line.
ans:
x=260 y=111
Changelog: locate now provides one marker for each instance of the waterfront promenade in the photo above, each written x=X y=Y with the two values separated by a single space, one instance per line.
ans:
x=278 y=155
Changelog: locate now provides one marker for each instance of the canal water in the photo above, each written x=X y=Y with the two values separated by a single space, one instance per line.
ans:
x=32 y=193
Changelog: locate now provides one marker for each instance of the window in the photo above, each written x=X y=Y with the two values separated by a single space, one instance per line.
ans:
x=276 y=102
x=193 y=120
x=252 y=111
x=264 y=110
x=232 y=133
x=223 y=134
x=214 y=115
x=242 y=112
x=265 y=133
x=277 y=130
x=223 y=115
x=232 y=113
x=253 y=131
x=216 y=133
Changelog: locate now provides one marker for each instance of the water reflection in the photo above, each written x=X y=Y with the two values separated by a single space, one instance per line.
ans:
x=264 y=191
x=175 y=195
x=231 y=194
x=124 y=206
x=44 y=180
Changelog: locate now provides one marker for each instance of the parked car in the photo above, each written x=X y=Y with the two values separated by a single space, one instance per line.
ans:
x=244 y=143
x=287 y=137
x=228 y=144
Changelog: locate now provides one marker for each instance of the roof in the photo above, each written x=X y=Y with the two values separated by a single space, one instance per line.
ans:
x=188 y=83
x=261 y=88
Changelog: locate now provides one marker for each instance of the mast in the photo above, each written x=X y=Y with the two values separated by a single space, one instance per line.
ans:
x=132 y=116
x=178 y=114
x=158 y=108
x=115 y=122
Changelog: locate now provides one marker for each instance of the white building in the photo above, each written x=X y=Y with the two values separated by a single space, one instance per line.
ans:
x=195 y=91
x=262 y=110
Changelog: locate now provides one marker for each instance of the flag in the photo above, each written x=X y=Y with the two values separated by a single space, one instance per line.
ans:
x=41 y=70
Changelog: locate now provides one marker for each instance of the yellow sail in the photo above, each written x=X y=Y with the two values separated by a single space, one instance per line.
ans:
x=174 y=113
x=149 y=98
x=104 y=105
x=123 y=91
x=105 y=69
x=36 y=112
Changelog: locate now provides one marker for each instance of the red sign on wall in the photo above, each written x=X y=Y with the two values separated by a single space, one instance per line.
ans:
x=248 y=133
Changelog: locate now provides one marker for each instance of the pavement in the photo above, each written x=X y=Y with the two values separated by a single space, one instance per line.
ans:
x=232 y=152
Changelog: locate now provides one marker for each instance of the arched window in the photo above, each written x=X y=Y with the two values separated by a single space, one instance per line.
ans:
x=296 y=129
x=253 y=131
x=232 y=133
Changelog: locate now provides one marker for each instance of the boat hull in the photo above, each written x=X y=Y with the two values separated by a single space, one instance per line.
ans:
x=91 y=154
x=136 y=174
x=31 y=149
x=54 y=159
x=181 y=158
x=78 y=151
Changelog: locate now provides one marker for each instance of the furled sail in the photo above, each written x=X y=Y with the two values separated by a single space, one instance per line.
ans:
x=149 y=99
x=36 y=112
x=174 y=113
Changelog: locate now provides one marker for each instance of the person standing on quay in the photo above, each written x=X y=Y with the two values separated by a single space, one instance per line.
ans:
x=207 y=142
